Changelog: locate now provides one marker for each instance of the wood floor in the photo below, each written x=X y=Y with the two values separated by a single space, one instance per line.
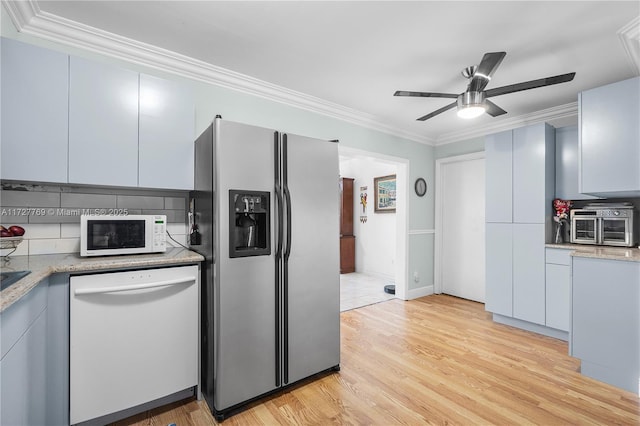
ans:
x=434 y=360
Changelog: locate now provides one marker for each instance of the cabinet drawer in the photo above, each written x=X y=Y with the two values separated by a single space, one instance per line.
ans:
x=558 y=256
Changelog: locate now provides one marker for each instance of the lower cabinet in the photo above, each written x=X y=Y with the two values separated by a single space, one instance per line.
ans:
x=347 y=254
x=605 y=311
x=558 y=289
x=34 y=364
x=515 y=271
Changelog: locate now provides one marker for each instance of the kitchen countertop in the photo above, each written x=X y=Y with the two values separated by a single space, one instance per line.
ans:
x=45 y=265
x=631 y=254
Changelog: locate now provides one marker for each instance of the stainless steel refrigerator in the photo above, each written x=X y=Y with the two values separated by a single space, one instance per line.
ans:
x=266 y=205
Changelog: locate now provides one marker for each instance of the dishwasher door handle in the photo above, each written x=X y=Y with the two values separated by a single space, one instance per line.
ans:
x=102 y=290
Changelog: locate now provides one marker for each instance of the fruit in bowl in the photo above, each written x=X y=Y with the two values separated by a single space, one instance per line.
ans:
x=12 y=231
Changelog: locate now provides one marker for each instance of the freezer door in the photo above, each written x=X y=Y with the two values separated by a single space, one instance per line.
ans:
x=245 y=287
x=313 y=293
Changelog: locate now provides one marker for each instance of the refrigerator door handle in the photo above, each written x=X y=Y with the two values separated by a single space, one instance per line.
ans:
x=285 y=272
x=278 y=254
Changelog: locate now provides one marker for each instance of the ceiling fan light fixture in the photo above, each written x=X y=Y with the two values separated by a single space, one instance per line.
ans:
x=471 y=111
x=471 y=105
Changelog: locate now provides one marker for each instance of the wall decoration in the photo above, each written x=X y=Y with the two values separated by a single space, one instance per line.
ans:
x=363 y=202
x=421 y=187
x=384 y=191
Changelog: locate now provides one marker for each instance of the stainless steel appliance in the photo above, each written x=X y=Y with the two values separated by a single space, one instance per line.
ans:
x=603 y=224
x=133 y=341
x=266 y=205
x=102 y=235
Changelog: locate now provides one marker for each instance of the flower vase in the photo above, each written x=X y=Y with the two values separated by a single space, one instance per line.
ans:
x=558 y=237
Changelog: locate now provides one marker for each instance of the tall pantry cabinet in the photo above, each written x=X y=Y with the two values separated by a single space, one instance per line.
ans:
x=347 y=239
x=520 y=180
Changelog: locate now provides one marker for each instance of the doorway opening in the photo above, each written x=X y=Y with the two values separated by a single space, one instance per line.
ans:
x=380 y=237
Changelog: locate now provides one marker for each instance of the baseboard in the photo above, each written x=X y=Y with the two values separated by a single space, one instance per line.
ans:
x=529 y=326
x=414 y=293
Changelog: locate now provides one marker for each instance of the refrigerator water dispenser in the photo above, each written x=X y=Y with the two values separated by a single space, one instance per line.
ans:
x=249 y=223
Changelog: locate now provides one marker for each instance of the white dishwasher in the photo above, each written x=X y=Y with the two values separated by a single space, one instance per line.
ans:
x=133 y=338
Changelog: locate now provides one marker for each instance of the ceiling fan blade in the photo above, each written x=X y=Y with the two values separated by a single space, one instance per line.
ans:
x=563 y=78
x=438 y=111
x=493 y=109
x=488 y=65
x=425 y=94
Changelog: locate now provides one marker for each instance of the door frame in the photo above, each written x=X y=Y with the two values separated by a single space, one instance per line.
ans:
x=437 y=264
x=402 y=215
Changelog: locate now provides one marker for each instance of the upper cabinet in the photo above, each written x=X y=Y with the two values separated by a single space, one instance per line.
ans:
x=567 y=164
x=86 y=122
x=35 y=112
x=103 y=124
x=520 y=174
x=166 y=155
x=609 y=140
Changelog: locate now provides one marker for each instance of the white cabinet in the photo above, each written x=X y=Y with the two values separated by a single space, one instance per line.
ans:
x=605 y=331
x=34 y=113
x=609 y=140
x=103 y=124
x=519 y=192
x=166 y=151
x=558 y=288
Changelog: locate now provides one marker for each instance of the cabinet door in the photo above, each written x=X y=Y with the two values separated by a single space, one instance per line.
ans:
x=609 y=139
x=533 y=173
x=529 y=272
x=166 y=134
x=567 y=165
x=103 y=124
x=498 y=177
x=35 y=118
x=346 y=207
x=498 y=273
x=558 y=284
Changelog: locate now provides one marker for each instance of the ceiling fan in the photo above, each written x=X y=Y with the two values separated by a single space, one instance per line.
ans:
x=474 y=101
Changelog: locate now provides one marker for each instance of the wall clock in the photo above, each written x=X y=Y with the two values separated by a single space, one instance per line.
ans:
x=421 y=187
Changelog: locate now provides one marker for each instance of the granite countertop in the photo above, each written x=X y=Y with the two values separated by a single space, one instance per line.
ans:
x=631 y=254
x=45 y=265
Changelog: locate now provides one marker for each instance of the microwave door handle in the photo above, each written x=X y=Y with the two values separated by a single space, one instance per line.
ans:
x=600 y=231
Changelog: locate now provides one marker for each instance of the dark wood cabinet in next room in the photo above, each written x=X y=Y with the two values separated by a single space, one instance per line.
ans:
x=347 y=239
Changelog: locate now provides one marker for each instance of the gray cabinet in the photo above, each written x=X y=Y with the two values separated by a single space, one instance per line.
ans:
x=103 y=124
x=567 y=165
x=558 y=288
x=605 y=332
x=24 y=357
x=34 y=113
x=520 y=171
x=35 y=362
x=609 y=140
x=499 y=177
x=166 y=153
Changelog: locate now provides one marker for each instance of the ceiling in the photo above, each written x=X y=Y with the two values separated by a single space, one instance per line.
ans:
x=350 y=57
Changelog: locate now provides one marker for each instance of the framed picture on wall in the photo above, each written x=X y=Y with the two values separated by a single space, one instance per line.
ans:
x=384 y=191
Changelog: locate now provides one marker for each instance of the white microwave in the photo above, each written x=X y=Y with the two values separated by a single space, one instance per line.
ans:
x=106 y=235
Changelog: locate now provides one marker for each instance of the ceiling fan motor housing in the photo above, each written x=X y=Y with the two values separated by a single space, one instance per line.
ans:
x=470 y=98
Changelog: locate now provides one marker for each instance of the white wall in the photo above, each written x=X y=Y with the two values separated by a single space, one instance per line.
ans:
x=375 y=238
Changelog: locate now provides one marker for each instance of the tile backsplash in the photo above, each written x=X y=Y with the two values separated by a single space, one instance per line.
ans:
x=51 y=214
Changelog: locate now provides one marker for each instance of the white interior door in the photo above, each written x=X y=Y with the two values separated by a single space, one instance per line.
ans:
x=462 y=227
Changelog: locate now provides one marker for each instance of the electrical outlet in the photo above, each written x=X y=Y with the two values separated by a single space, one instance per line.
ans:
x=416 y=278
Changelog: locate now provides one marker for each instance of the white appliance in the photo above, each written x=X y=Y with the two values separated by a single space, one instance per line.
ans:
x=267 y=207
x=133 y=339
x=103 y=235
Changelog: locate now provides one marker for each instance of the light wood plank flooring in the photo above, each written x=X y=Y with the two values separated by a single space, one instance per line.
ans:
x=434 y=360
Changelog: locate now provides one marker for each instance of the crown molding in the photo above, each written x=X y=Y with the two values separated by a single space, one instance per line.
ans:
x=630 y=38
x=551 y=114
